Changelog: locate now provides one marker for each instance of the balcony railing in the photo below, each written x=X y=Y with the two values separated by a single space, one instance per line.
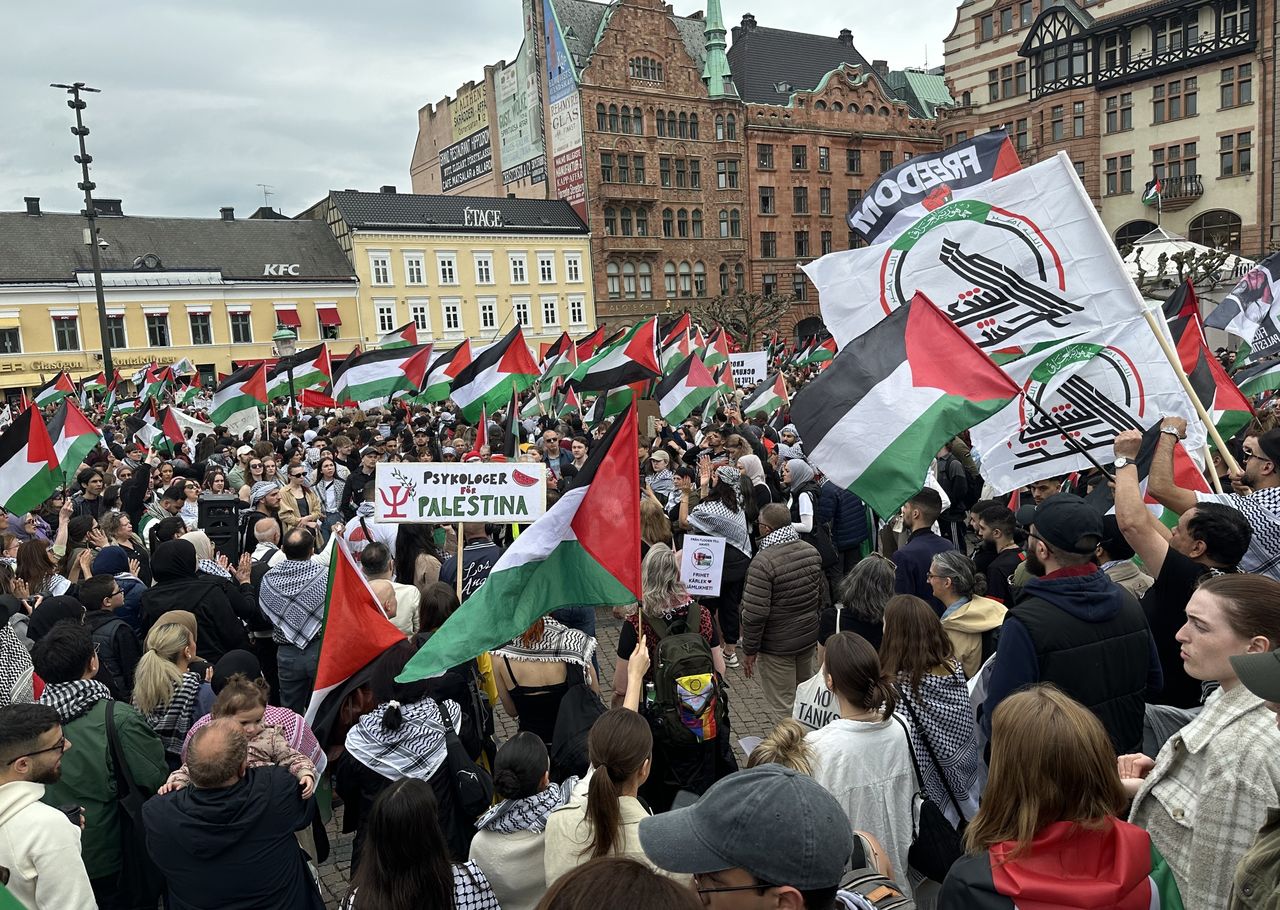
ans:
x=1179 y=192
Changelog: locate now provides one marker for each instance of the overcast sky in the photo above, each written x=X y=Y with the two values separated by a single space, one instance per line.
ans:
x=201 y=102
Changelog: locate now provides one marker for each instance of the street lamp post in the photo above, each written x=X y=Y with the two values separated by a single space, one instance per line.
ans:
x=77 y=104
x=286 y=346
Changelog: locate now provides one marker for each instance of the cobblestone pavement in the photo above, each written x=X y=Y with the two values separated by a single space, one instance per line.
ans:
x=747 y=713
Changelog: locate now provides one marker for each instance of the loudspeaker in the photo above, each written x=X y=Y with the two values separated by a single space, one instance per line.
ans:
x=219 y=517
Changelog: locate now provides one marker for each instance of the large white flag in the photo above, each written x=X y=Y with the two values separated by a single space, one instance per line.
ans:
x=1252 y=309
x=1014 y=262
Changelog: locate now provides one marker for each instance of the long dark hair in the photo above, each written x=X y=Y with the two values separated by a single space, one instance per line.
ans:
x=164 y=530
x=521 y=764
x=412 y=540
x=619 y=743
x=854 y=668
x=405 y=862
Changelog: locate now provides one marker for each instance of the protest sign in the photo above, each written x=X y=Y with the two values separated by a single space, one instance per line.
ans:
x=749 y=367
x=702 y=565
x=448 y=492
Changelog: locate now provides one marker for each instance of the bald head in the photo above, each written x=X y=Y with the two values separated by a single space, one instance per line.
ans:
x=386 y=594
x=217 y=755
x=267 y=530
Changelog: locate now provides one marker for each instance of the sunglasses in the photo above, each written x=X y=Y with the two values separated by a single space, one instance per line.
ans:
x=255 y=464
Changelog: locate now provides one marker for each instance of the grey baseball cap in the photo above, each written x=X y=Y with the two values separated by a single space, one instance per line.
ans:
x=781 y=826
x=1260 y=673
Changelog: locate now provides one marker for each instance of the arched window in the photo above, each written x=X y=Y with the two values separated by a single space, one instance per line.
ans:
x=724 y=222
x=719 y=126
x=646 y=280
x=642 y=222
x=669 y=278
x=868 y=109
x=626 y=222
x=672 y=130
x=884 y=112
x=1133 y=231
x=610 y=221
x=696 y=222
x=731 y=127
x=613 y=118
x=601 y=123
x=740 y=278
x=693 y=126
x=637 y=121
x=819 y=105
x=836 y=106
x=611 y=277
x=668 y=223
x=686 y=280
x=682 y=223
x=662 y=123
x=684 y=126
x=1219 y=229
x=626 y=120
x=724 y=278
x=735 y=223
x=629 y=280
x=699 y=280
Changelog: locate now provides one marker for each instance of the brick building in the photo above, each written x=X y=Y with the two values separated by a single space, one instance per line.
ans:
x=1130 y=90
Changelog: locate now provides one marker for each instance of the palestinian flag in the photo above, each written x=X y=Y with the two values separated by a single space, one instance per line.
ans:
x=183 y=367
x=315 y=398
x=375 y=377
x=1151 y=191
x=821 y=352
x=571 y=404
x=1258 y=378
x=189 y=392
x=73 y=437
x=584 y=552
x=439 y=379
x=675 y=351
x=612 y=403
x=1186 y=474
x=687 y=388
x=1222 y=399
x=53 y=391
x=586 y=348
x=717 y=349
x=156 y=383
x=767 y=398
x=679 y=328
x=244 y=390
x=875 y=420
x=311 y=370
x=403 y=337
x=141 y=374
x=28 y=464
x=94 y=383
x=355 y=631
x=494 y=374
x=632 y=358
x=560 y=359
x=157 y=429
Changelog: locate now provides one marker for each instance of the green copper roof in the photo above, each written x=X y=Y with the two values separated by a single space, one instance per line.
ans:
x=715 y=72
x=925 y=92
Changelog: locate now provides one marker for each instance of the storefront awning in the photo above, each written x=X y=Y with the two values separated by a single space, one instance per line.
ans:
x=328 y=315
x=288 y=316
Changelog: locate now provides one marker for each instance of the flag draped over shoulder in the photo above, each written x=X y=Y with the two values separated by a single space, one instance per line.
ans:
x=489 y=380
x=584 y=552
x=1252 y=309
x=1225 y=404
x=244 y=390
x=28 y=464
x=874 y=421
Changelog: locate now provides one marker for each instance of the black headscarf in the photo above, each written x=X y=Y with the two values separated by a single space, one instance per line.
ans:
x=231 y=663
x=51 y=611
x=173 y=560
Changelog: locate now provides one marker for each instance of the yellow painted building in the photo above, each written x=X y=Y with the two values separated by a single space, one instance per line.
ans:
x=462 y=266
x=211 y=290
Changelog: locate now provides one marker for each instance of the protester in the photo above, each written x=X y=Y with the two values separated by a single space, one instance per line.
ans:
x=179 y=587
x=166 y=690
x=616 y=881
x=116 y=641
x=479 y=555
x=1115 y=557
x=534 y=671
x=377 y=564
x=846 y=515
x=1046 y=834
x=719 y=513
x=803 y=491
x=972 y=622
x=997 y=527
x=116 y=562
x=784 y=745
x=293 y=598
x=915 y=556
x=300 y=505
x=860 y=601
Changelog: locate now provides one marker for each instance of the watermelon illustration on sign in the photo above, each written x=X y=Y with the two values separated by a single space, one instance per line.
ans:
x=523 y=479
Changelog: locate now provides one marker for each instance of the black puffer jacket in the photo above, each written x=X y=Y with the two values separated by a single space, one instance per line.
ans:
x=178 y=587
x=784 y=593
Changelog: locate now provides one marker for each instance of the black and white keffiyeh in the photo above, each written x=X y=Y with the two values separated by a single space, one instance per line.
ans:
x=75 y=698
x=780 y=536
x=942 y=705
x=718 y=520
x=417 y=749
x=172 y=721
x=558 y=642
x=209 y=567
x=15 y=668
x=528 y=814
x=293 y=598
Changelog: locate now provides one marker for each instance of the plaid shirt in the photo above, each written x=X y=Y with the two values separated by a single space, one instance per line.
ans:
x=1208 y=794
x=293 y=598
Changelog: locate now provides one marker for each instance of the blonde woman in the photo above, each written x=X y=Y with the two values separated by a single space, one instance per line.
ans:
x=166 y=690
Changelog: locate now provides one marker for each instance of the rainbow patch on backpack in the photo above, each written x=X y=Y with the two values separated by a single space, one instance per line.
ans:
x=696 y=703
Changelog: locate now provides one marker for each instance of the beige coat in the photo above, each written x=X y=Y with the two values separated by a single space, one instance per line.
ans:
x=965 y=627
x=289 y=514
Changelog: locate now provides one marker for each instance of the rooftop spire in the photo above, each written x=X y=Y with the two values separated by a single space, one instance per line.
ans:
x=715 y=73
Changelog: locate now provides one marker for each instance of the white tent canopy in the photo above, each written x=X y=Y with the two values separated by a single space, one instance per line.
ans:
x=1147 y=252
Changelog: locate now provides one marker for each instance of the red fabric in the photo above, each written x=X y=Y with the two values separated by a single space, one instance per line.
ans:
x=328 y=315
x=607 y=524
x=288 y=317
x=966 y=372
x=1072 y=571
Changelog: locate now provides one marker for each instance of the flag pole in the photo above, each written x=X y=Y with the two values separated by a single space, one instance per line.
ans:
x=1165 y=345
x=458 y=567
x=1066 y=435
x=1213 y=475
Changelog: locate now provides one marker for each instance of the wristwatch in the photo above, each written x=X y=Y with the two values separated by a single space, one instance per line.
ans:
x=1172 y=432
x=1121 y=462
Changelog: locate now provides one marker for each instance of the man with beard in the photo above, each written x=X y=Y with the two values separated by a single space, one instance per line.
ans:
x=264 y=502
x=39 y=847
x=1256 y=496
x=996 y=527
x=1074 y=627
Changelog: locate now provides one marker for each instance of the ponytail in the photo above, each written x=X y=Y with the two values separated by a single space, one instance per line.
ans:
x=619 y=744
x=784 y=745
x=856 y=677
x=157 y=672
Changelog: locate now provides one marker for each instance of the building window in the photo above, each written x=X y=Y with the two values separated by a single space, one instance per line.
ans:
x=1020 y=133
x=739 y=278
x=1235 y=153
x=484 y=268
x=731 y=128
x=668 y=223
x=241 y=329
x=727 y=175
x=1077 y=119
x=1079 y=169
x=546 y=268
x=1119 y=112
x=629 y=280
x=798 y=288
x=1119 y=175
x=421 y=316
x=686 y=280
x=1006 y=20
x=380 y=268
x=452 y=310
x=720 y=126
x=769 y=284
x=684 y=126
x=626 y=120
x=645 y=68
x=1006 y=80
x=115 y=332
x=1174 y=161
x=681 y=171
x=824 y=200
x=602 y=122
x=414 y=269
x=627 y=229
x=768 y=245
x=824 y=158
x=158 y=330
x=664 y=171
x=447 y=265
x=886 y=161
x=612 y=282
x=646 y=280
x=386 y=313
x=201 y=328
x=669 y=278
x=853 y=161
x=1174 y=101
x=799 y=158
x=802 y=244
x=577 y=309
x=610 y=221
x=637 y=169
x=550 y=311
x=613 y=118
x=682 y=223
x=853 y=197
x=1057 y=130
x=986 y=27
x=826 y=242
x=735 y=223
x=662 y=123
x=520 y=266
x=695 y=173
x=10 y=341
x=1024 y=12
x=1173 y=33
x=606 y=167
x=693 y=126
x=488 y=314
x=573 y=263
x=764 y=157
x=800 y=200
x=1237 y=85
x=1020 y=77
x=624 y=169
x=993 y=85
x=695 y=221
x=1236 y=18
x=642 y=224
x=699 y=280
x=767 y=203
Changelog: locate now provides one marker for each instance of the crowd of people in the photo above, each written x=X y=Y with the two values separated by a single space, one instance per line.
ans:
x=1052 y=698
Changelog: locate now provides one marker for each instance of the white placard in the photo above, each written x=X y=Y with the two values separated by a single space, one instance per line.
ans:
x=449 y=492
x=702 y=565
x=749 y=367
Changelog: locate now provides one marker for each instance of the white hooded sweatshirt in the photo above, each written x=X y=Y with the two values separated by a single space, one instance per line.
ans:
x=41 y=849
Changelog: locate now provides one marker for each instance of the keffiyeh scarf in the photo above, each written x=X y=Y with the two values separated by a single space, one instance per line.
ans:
x=75 y=698
x=15 y=668
x=780 y=536
x=558 y=642
x=528 y=814
x=417 y=749
x=209 y=567
x=172 y=721
x=718 y=520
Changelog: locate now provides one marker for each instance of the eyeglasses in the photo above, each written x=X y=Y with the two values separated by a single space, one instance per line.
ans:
x=255 y=464
x=1251 y=455
x=119 y=591
x=758 y=886
x=59 y=746
x=297 y=475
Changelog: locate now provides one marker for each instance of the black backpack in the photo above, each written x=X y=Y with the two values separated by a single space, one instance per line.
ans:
x=578 y=710
x=688 y=704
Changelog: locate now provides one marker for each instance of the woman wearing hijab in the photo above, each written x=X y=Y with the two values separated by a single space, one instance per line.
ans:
x=180 y=587
x=119 y=563
x=751 y=468
x=233 y=579
x=803 y=487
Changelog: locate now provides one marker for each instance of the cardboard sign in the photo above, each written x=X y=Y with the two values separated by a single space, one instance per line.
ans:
x=448 y=492
x=749 y=368
x=702 y=565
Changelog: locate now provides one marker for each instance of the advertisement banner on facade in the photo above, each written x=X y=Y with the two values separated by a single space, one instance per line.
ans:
x=520 y=121
x=448 y=492
x=465 y=161
x=566 y=117
x=749 y=367
x=470 y=112
x=534 y=171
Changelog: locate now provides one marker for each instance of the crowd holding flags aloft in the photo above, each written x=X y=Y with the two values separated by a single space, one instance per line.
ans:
x=494 y=374
x=403 y=337
x=53 y=391
x=446 y=366
x=244 y=391
x=1222 y=399
x=73 y=435
x=373 y=377
x=685 y=389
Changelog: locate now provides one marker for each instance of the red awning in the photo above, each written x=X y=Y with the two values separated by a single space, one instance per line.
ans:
x=328 y=315
x=288 y=317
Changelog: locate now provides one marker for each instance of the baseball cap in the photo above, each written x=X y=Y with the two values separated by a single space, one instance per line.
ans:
x=1113 y=541
x=1066 y=521
x=1260 y=673
x=369 y=450
x=244 y=450
x=1269 y=442
x=740 y=823
x=661 y=456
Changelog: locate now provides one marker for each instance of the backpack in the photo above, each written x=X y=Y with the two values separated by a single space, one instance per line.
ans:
x=688 y=705
x=578 y=710
x=868 y=881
